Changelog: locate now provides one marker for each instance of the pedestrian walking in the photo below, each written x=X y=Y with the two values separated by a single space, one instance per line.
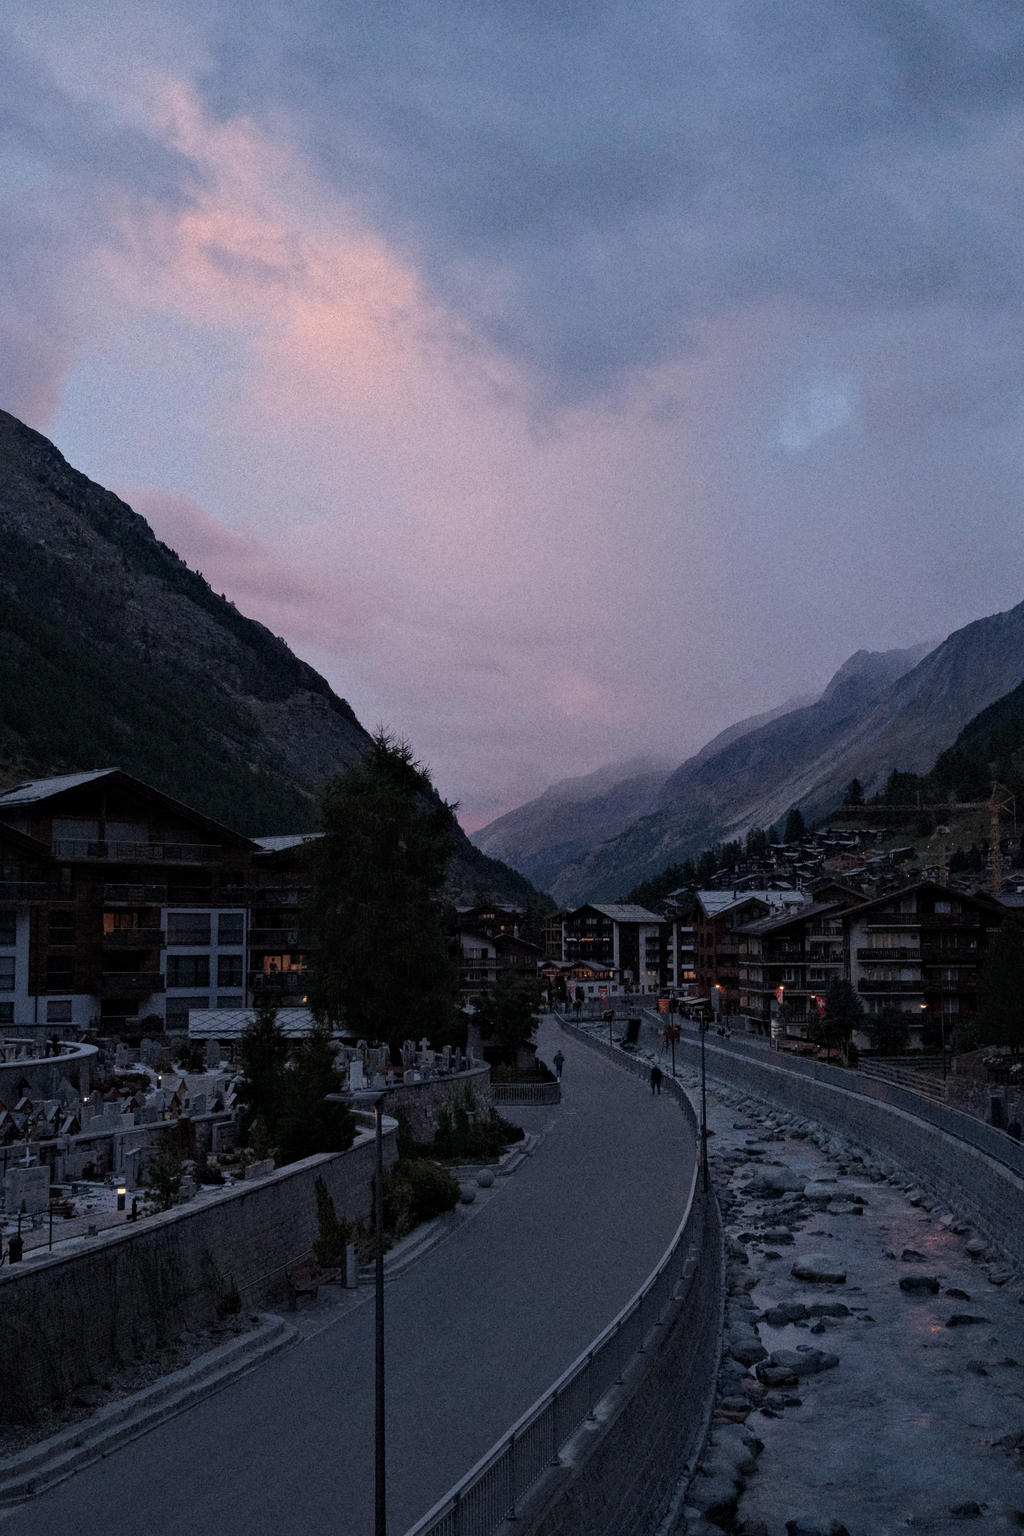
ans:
x=656 y=1075
x=559 y=1064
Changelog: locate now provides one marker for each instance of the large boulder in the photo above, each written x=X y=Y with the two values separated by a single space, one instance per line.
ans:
x=819 y=1269
x=783 y=1180
x=802 y=1362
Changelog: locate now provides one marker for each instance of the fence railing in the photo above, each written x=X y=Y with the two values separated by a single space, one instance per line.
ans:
x=527 y=1093
x=492 y=1491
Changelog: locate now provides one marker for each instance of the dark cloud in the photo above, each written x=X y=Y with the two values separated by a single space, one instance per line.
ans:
x=586 y=182
x=67 y=176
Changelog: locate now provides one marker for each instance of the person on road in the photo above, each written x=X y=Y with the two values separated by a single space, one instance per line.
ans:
x=559 y=1064
x=656 y=1076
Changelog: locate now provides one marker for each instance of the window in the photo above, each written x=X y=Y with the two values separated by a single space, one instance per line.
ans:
x=188 y=928
x=60 y=973
x=949 y=973
x=6 y=1013
x=951 y=1005
x=62 y=927
x=227 y=1000
x=188 y=970
x=229 y=970
x=229 y=928
x=943 y=906
x=59 y=1012
x=8 y=928
x=178 y=1010
x=113 y=922
x=6 y=973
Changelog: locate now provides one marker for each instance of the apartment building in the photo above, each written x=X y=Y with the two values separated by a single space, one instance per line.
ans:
x=141 y=911
x=617 y=937
x=800 y=951
x=920 y=950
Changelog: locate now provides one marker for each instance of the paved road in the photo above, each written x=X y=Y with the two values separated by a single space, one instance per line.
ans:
x=476 y=1331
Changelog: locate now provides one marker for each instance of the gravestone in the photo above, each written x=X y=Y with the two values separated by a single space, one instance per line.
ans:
x=29 y=1187
x=259 y=1170
x=356 y=1075
x=148 y=1052
x=199 y=1104
x=121 y=1057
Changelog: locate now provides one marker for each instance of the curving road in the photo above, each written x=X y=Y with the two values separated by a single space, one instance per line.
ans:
x=475 y=1332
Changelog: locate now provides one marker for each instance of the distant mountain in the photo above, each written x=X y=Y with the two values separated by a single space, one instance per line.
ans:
x=114 y=653
x=882 y=710
x=566 y=821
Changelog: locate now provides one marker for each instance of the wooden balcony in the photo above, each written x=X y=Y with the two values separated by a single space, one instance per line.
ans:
x=876 y=988
x=132 y=984
x=80 y=850
x=880 y=956
x=135 y=938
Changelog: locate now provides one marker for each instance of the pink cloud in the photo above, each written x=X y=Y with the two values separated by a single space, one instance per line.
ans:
x=287 y=593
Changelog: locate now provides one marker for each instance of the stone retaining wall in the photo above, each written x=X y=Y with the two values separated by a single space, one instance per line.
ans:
x=987 y=1192
x=69 y=1317
x=423 y=1102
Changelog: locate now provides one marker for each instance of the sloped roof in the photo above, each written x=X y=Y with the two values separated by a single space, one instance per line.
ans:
x=716 y=902
x=287 y=840
x=624 y=912
x=36 y=791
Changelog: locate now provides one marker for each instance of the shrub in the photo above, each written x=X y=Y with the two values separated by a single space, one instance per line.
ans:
x=417 y=1191
x=335 y=1234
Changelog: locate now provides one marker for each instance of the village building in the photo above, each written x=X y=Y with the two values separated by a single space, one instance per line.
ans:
x=145 y=910
x=617 y=937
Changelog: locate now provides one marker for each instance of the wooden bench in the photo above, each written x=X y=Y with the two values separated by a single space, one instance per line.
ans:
x=305 y=1279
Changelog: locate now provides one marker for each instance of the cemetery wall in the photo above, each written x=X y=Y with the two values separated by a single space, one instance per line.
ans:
x=985 y=1191
x=38 y=1076
x=424 y=1101
x=68 y=1318
x=974 y=1096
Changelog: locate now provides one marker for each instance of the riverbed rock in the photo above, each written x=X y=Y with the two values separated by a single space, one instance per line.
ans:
x=965 y=1320
x=802 y=1362
x=819 y=1269
x=920 y=1285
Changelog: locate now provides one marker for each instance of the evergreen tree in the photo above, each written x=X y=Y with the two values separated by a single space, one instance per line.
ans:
x=1001 y=989
x=888 y=1031
x=507 y=1017
x=707 y=866
x=379 y=869
x=757 y=843
x=774 y=835
x=844 y=1012
x=307 y=1123
x=854 y=793
x=263 y=1053
x=795 y=827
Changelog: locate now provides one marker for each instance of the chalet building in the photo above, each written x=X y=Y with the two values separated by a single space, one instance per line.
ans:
x=719 y=919
x=477 y=959
x=26 y=883
x=800 y=951
x=281 y=952
x=492 y=921
x=553 y=934
x=920 y=950
x=617 y=937
x=145 y=908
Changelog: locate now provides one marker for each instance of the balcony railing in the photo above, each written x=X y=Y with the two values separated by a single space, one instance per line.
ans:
x=879 y=956
x=72 y=849
x=283 y=896
x=26 y=890
x=283 y=983
x=131 y=983
x=890 y=986
x=135 y=938
x=281 y=938
x=135 y=895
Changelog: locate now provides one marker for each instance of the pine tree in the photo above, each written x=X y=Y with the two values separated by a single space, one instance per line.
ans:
x=263 y=1053
x=507 y=1017
x=307 y=1123
x=795 y=827
x=383 y=966
x=854 y=793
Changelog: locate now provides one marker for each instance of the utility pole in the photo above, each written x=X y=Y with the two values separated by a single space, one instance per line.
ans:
x=703 y=1108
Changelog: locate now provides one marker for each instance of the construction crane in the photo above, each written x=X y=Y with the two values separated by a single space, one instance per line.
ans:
x=1000 y=800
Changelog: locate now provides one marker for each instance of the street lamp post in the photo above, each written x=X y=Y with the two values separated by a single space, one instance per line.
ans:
x=703 y=1108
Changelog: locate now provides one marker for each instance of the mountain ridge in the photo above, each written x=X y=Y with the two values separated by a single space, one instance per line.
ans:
x=114 y=652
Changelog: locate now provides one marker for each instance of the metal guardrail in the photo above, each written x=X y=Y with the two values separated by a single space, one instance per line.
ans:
x=491 y=1492
x=527 y=1093
x=983 y=1137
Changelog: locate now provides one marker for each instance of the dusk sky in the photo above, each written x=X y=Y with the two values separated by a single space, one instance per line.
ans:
x=562 y=381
